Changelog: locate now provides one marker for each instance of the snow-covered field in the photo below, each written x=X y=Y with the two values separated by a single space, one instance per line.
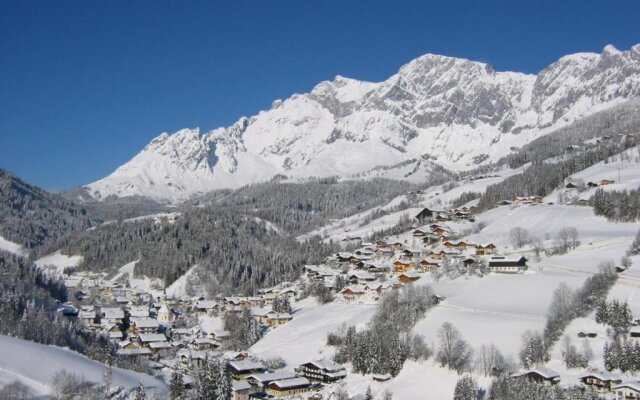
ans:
x=305 y=337
x=57 y=262
x=35 y=364
x=623 y=168
x=545 y=221
x=11 y=247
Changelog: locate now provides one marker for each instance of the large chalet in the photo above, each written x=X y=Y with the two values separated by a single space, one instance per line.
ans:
x=507 y=265
x=323 y=371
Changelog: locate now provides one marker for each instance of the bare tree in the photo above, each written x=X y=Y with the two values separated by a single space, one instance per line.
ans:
x=491 y=361
x=568 y=238
x=16 y=391
x=519 y=237
x=454 y=352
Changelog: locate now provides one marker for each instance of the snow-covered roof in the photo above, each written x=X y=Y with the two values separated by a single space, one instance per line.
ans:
x=220 y=333
x=159 y=345
x=543 y=372
x=327 y=365
x=131 y=352
x=240 y=385
x=635 y=385
x=291 y=383
x=145 y=322
x=273 y=376
x=602 y=375
x=139 y=311
x=152 y=337
x=261 y=312
x=246 y=365
x=206 y=304
x=112 y=312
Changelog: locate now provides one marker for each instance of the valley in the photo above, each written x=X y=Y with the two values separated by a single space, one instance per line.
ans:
x=452 y=227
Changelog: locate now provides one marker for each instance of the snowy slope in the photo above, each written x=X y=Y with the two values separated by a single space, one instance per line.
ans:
x=436 y=110
x=13 y=248
x=18 y=362
x=305 y=337
x=57 y=262
x=623 y=169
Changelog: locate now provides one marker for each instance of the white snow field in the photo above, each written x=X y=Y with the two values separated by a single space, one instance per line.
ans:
x=57 y=262
x=34 y=365
x=305 y=337
x=11 y=247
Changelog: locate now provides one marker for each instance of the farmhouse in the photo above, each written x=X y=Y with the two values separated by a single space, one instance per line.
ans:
x=242 y=369
x=437 y=255
x=540 y=375
x=240 y=390
x=429 y=265
x=502 y=264
x=143 y=325
x=627 y=390
x=419 y=233
x=485 y=250
x=408 y=277
x=138 y=311
x=111 y=315
x=424 y=215
x=323 y=371
x=208 y=307
x=203 y=343
x=288 y=387
x=361 y=276
x=260 y=381
x=400 y=267
x=352 y=294
x=601 y=382
x=275 y=319
x=146 y=338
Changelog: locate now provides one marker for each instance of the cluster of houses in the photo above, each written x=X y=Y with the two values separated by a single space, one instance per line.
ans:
x=147 y=325
x=366 y=274
x=572 y=190
x=604 y=383
x=251 y=379
x=523 y=200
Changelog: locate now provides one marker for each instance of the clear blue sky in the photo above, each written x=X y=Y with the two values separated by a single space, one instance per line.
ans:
x=84 y=85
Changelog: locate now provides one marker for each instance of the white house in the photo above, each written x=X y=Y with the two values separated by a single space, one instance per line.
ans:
x=627 y=390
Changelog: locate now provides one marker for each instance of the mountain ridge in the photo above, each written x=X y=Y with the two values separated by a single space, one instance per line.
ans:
x=452 y=112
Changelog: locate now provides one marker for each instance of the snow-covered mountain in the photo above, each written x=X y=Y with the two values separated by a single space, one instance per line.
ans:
x=436 y=110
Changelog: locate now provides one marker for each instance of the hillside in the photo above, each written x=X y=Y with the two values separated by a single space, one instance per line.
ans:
x=29 y=216
x=17 y=364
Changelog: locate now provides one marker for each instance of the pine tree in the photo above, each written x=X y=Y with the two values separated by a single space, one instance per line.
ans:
x=107 y=378
x=140 y=392
x=466 y=389
x=223 y=381
x=602 y=313
x=368 y=395
x=176 y=386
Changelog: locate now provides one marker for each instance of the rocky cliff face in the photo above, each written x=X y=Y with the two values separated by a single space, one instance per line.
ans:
x=453 y=112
